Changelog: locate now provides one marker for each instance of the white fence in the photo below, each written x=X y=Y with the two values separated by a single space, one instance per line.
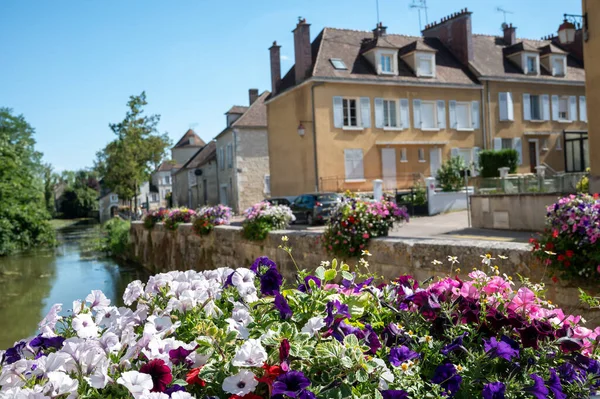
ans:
x=440 y=202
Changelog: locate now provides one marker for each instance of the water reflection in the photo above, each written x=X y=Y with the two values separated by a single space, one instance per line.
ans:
x=30 y=284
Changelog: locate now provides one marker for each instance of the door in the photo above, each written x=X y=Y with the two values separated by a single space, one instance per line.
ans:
x=435 y=160
x=388 y=167
x=223 y=195
x=205 y=192
x=533 y=156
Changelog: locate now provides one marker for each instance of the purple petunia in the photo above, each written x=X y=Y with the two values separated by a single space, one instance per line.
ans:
x=538 y=389
x=262 y=264
x=493 y=390
x=336 y=308
x=400 y=355
x=455 y=346
x=291 y=384
x=270 y=282
x=306 y=286
x=506 y=348
x=394 y=394
x=282 y=305
x=179 y=355
x=447 y=376
x=555 y=386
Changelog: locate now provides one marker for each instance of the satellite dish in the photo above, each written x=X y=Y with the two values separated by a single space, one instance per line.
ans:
x=198 y=172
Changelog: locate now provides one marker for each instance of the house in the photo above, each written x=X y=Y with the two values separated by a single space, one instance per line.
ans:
x=148 y=196
x=358 y=106
x=108 y=203
x=186 y=147
x=162 y=180
x=195 y=183
x=243 y=155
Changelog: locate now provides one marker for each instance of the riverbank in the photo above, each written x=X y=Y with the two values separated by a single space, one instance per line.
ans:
x=58 y=224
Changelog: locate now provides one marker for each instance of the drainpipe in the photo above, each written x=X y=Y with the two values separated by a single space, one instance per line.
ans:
x=487 y=88
x=484 y=119
x=218 y=182
x=235 y=173
x=314 y=131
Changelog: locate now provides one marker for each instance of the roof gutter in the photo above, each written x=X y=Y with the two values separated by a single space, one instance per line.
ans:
x=529 y=80
x=314 y=131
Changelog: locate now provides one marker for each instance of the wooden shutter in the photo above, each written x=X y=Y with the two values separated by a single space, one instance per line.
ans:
x=573 y=108
x=475 y=114
x=379 y=113
x=510 y=107
x=517 y=145
x=503 y=106
x=404 y=114
x=441 y=114
x=526 y=107
x=582 y=109
x=497 y=144
x=452 y=109
x=545 y=107
x=555 y=107
x=417 y=113
x=338 y=112
x=365 y=111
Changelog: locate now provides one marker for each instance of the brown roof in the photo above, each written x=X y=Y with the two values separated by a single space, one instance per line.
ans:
x=551 y=49
x=201 y=157
x=417 y=45
x=256 y=114
x=237 y=109
x=167 y=166
x=185 y=140
x=489 y=61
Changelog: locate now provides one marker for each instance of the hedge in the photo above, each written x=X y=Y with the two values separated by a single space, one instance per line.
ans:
x=490 y=161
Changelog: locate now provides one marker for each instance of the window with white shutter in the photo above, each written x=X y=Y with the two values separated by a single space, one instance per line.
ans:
x=441 y=114
x=267 y=188
x=582 y=109
x=573 y=108
x=403 y=155
x=353 y=161
x=507 y=144
x=350 y=112
x=563 y=109
x=505 y=104
x=404 y=114
x=463 y=112
x=390 y=114
x=429 y=115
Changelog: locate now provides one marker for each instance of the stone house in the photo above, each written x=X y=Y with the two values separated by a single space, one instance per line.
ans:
x=108 y=205
x=162 y=180
x=243 y=176
x=195 y=183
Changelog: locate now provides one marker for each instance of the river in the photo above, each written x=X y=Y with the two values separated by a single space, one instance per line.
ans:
x=31 y=283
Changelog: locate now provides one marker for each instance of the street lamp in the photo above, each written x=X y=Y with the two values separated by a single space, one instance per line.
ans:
x=567 y=30
x=301 y=130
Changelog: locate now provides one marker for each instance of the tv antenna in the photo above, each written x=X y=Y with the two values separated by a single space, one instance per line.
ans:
x=377 y=6
x=420 y=5
x=503 y=11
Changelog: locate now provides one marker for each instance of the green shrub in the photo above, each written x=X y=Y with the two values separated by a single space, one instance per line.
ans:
x=490 y=161
x=419 y=195
x=583 y=185
x=449 y=174
x=116 y=239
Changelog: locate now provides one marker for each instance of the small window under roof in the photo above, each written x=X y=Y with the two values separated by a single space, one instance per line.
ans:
x=338 y=63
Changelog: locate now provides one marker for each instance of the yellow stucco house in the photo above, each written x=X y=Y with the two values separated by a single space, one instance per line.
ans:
x=359 y=106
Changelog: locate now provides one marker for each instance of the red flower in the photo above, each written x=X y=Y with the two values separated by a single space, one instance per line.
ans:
x=351 y=219
x=561 y=258
x=569 y=253
x=549 y=246
x=596 y=195
x=192 y=377
x=555 y=279
x=532 y=240
x=160 y=373
x=271 y=373
x=567 y=263
x=555 y=233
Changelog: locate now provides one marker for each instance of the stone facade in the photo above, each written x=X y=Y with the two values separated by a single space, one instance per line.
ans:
x=160 y=250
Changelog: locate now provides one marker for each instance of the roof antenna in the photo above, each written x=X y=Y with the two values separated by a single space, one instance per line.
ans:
x=420 y=5
x=377 y=6
x=502 y=10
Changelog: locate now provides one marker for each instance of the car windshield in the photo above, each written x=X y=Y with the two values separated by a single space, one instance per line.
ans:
x=327 y=197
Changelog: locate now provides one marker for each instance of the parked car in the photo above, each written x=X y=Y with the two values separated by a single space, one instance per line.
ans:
x=313 y=208
x=287 y=201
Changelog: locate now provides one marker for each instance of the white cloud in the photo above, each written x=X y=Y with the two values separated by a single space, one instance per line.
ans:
x=285 y=58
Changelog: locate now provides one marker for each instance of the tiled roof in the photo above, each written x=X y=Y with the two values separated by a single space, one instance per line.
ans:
x=417 y=45
x=167 y=166
x=237 y=109
x=201 y=157
x=186 y=142
x=489 y=61
x=551 y=49
x=255 y=115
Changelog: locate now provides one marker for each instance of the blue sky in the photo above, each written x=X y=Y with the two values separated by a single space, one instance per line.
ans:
x=69 y=66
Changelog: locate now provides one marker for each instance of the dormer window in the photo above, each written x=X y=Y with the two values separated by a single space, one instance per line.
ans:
x=531 y=64
x=559 y=65
x=426 y=65
x=386 y=63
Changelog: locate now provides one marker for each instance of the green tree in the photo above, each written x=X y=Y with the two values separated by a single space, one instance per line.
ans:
x=50 y=181
x=81 y=194
x=127 y=161
x=449 y=174
x=23 y=214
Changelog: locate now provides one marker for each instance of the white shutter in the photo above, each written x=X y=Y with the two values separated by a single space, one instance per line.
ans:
x=452 y=109
x=359 y=167
x=510 y=107
x=475 y=114
x=573 y=108
x=365 y=111
x=417 y=113
x=503 y=106
x=517 y=145
x=404 y=117
x=582 y=109
x=353 y=160
x=441 y=114
x=338 y=112
x=497 y=144
x=379 y=113
x=348 y=163
x=453 y=152
x=545 y=107
x=526 y=107
x=476 y=160
x=555 y=107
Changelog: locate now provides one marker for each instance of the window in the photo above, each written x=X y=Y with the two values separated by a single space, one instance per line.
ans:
x=221 y=158
x=563 y=109
x=425 y=65
x=507 y=144
x=386 y=63
x=353 y=161
x=350 y=107
x=191 y=178
x=267 y=184
x=167 y=180
x=428 y=115
x=390 y=116
x=153 y=197
x=558 y=66
x=531 y=61
x=338 y=63
x=229 y=156
x=421 y=155
x=114 y=198
x=463 y=116
x=403 y=155
x=506 y=108
x=536 y=107
x=559 y=143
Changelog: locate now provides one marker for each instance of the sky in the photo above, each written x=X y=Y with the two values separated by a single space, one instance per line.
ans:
x=69 y=66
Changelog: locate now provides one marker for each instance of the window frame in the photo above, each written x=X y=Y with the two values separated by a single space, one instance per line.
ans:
x=567 y=105
x=540 y=115
x=510 y=144
x=403 y=155
x=114 y=198
x=338 y=64
x=430 y=58
x=230 y=156
x=421 y=155
x=435 y=126
x=536 y=64
x=357 y=110
x=390 y=58
x=469 y=107
x=396 y=108
x=562 y=60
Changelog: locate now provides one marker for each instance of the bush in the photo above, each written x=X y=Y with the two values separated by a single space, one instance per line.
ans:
x=449 y=174
x=178 y=216
x=264 y=217
x=156 y=216
x=210 y=216
x=354 y=222
x=244 y=334
x=116 y=236
x=490 y=161
x=583 y=185
x=569 y=244
x=419 y=195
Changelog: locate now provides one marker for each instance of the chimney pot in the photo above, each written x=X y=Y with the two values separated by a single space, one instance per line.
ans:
x=275 y=55
x=510 y=34
x=253 y=95
x=302 y=51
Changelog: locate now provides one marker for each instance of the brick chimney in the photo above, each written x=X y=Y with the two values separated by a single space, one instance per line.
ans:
x=253 y=94
x=456 y=33
x=302 y=50
x=510 y=34
x=275 y=67
x=379 y=31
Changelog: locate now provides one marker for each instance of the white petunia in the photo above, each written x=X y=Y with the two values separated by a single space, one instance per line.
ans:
x=49 y=322
x=313 y=326
x=154 y=395
x=77 y=306
x=60 y=383
x=133 y=292
x=160 y=326
x=242 y=277
x=108 y=317
x=250 y=354
x=240 y=384
x=84 y=325
x=181 y=395
x=242 y=330
x=97 y=300
x=137 y=383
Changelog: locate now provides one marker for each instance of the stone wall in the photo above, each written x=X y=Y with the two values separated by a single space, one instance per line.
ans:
x=253 y=165
x=161 y=250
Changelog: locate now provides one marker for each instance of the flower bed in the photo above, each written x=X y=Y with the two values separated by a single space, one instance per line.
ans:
x=569 y=244
x=238 y=334
x=263 y=217
x=178 y=216
x=354 y=222
x=154 y=217
x=210 y=216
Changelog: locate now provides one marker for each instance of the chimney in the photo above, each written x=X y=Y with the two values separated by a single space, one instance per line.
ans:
x=510 y=34
x=275 y=67
x=302 y=50
x=456 y=33
x=379 y=31
x=253 y=94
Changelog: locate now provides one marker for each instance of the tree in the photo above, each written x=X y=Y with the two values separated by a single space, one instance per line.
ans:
x=23 y=214
x=127 y=161
x=81 y=194
x=50 y=181
x=449 y=174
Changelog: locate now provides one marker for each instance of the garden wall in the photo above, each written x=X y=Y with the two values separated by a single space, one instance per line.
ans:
x=440 y=202
x=160 y=250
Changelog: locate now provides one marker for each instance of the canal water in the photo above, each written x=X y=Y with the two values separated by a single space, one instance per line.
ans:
x=31 y=283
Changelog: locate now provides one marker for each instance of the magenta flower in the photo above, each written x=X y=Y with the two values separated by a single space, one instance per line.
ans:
x=160 y=373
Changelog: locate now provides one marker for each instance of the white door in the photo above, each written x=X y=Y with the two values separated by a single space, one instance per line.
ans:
x=435 y=160
x=223 y=196
x=388 y=166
